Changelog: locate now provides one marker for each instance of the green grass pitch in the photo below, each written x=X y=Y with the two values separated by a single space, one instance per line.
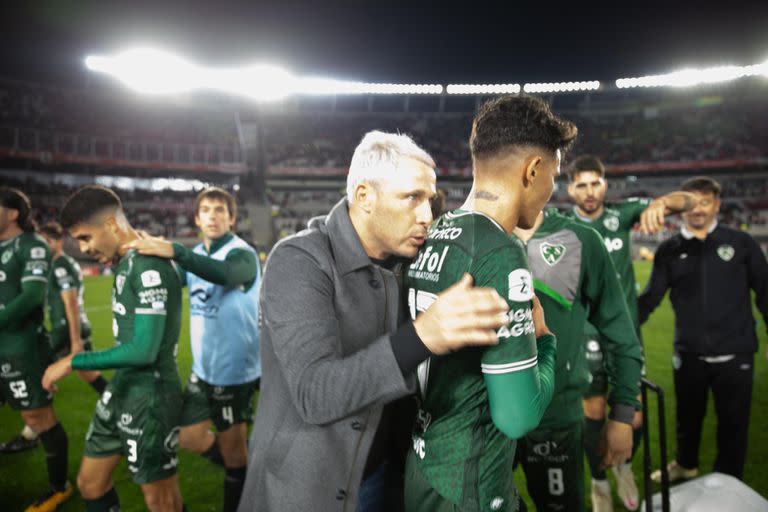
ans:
x=23 y=476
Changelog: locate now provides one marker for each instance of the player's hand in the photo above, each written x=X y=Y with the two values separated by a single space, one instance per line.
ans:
x=56 y=372
x=462 y=316
x=538 y=318
x=618 y=443
x=152 y=246
x=652 y=219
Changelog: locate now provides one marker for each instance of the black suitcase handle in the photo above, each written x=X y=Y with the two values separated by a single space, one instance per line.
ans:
x=645 y=385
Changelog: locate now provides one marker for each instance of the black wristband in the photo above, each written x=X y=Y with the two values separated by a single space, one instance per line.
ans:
x=623 y=413
x=408 y=348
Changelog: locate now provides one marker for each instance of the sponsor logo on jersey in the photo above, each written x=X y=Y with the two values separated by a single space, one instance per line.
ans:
x=726 y=252
x=545 y=448
x=593 y=346
x=428 y=265
x=37 y=253
x=120 y=283
x=126 y=419
x=444 y=234
x=613 y=244
x=60 y=272
x=6 y=368
x=497 y=503
x=118 y=308
x=150 y=278
x=552 y=253
x=520 y=285
x=200 y=294
x=520 y=322
x=2 y=276
x=152 y=296
x=6 y=256
x=611 y=223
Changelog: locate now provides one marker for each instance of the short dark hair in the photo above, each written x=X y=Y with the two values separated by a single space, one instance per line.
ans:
x=52 y=230
x=217 y=194
x=586 y=163
x=15 y=199
x=437 y=204
x=508 y=122
x=86 y=202
x=702 y=184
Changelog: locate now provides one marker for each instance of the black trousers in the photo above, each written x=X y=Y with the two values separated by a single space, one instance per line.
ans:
x=731 y=385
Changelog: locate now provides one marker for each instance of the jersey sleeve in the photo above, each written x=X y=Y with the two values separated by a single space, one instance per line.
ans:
x=518 y=374
x=240 y=267
x=65 y=276
x=36 y=258
x=608 y=313
x=631 y=209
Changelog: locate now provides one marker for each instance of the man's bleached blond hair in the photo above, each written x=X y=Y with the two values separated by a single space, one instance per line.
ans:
x=378 y=157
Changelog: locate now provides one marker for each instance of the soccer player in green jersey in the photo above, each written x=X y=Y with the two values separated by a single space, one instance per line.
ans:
x=70 y=328
x=614 y=221
x=475 y=402
x=576 y=281
x=24 y=265
x=138 y=414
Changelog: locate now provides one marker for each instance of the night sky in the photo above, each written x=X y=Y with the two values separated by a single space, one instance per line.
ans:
x=389 y=41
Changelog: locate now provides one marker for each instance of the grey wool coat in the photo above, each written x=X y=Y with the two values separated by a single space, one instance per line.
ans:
x=328 y=369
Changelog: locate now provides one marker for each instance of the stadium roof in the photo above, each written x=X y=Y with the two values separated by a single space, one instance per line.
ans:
x=406 y=42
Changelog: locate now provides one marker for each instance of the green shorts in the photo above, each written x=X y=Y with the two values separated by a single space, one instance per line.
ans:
x=224 y=405
x=141 y=424
x=553 y=462
x=420 y=496
x=21 y=377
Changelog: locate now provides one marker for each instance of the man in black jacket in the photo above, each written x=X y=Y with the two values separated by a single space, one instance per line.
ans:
x=710 y=270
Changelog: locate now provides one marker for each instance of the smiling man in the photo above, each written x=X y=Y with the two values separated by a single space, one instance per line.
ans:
x=222 y=276
x=138 y=415
x=337 y=350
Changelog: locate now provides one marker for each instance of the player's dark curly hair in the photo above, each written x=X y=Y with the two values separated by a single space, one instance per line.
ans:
x=52 y=230
x=703 y=185
x=509 y=122
x=15 y=199
x=86 y=202
x=586 y=163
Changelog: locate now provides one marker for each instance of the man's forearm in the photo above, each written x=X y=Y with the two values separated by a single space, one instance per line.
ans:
x=142 y=350
x=239 y=268
x=72 y=312
x=31 y=297
x=678 y=202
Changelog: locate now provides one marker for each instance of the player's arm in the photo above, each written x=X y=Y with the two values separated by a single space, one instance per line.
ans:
x=238 y=268
x=34 y=278
x=657 y=285
x=519 y=372
x=72 y=312
x=652 y=217
x=757 y=275
x=608 y=313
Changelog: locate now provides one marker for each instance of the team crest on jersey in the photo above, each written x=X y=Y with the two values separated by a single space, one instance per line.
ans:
x=6 y=256
x=552 y=253
x=61 y=272
x=520 y=285
x=119 y=284
x=611 y=223
x=171 y=441
x=726 y=252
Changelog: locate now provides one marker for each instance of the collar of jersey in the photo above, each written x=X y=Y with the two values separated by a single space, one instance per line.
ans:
x=10 y=240
x=220 y=242
x=461 y=213
x=688 y=235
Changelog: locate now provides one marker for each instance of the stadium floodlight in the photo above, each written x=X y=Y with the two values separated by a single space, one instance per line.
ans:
x=692 y=77
x=158 y=72
x=149 y=71
x=591 y=85
x=483 y=88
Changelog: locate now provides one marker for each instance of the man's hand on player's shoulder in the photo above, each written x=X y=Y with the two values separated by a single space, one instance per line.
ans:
x=462 y=316
x=152 y=246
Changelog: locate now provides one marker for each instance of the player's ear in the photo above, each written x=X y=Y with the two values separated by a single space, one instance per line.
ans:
x=532 y=170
